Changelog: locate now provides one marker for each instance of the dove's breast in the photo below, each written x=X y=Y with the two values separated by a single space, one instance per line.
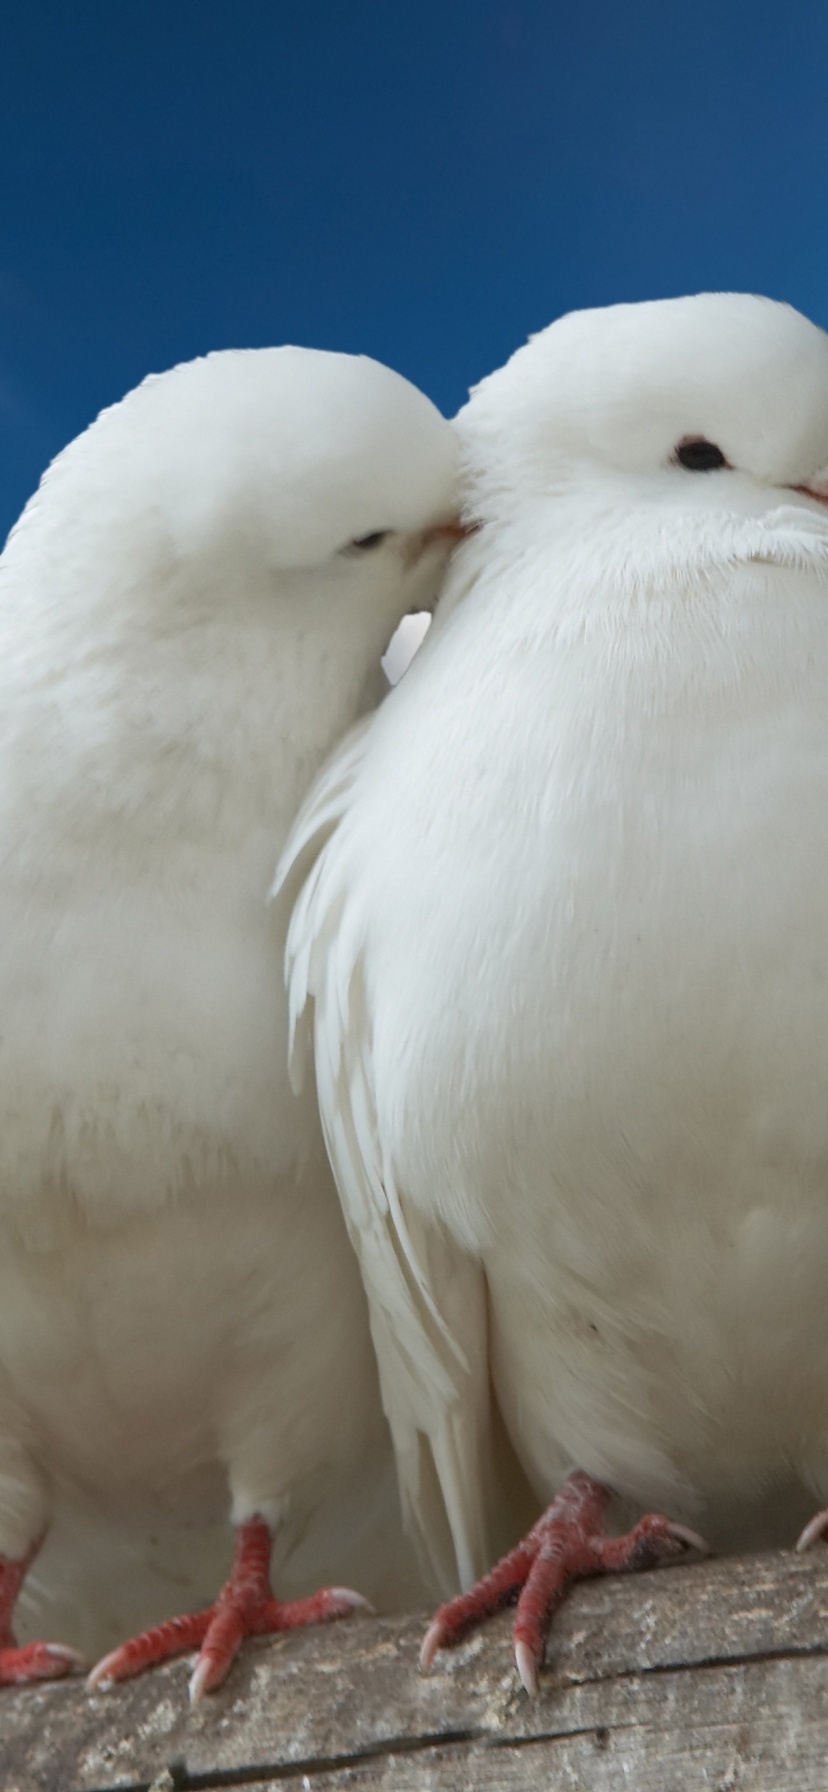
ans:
x=177 y=1293
x=603 y=1058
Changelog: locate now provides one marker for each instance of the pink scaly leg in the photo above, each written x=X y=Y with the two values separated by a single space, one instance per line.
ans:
x=245 y=1607
x=567 y=1544
x=36 y=1661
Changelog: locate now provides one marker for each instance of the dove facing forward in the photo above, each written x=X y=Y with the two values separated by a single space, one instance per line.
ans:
x=192 y=609
x=564 y=945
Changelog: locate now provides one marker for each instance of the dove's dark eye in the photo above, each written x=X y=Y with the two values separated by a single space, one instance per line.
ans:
x=371 y=541
x=699 y=456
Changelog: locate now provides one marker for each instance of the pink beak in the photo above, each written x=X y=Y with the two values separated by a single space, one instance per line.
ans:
x=808 y=492
x=453 y=531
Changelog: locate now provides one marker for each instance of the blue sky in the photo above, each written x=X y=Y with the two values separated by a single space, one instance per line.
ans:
x=424 y=182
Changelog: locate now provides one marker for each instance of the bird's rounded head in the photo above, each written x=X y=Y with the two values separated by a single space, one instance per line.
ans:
x=719 y=401
x=318 y=476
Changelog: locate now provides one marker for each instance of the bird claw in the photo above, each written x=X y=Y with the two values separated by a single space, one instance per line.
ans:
x=72 y=1658
x=38 y=1661
x=216 y=1653
x=432 y=1641
x=350 y=1602
x=201 y=1679
x=568 y=1543
x=104 y=1674
x=527 y=1666
x=815 y=1529
x=691 y=1539
x=245 y=1607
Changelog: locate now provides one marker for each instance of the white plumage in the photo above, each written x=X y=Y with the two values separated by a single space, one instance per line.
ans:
x=192 y=609
x=566 y=935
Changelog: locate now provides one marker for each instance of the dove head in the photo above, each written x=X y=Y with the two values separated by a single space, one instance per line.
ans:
x=313 y=453
x=717 y=402
x=320 y=483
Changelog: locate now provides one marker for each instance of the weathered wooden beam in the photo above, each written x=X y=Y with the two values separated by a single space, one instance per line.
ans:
x=709 y=1676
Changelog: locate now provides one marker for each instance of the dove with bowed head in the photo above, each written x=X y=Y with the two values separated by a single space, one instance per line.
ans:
x=192 y=609
x=564 y=949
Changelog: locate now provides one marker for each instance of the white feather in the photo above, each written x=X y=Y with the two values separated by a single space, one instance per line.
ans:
x=427 y=1317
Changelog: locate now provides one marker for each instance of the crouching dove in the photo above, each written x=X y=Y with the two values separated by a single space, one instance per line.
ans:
x=565 y=942
x=193 y=607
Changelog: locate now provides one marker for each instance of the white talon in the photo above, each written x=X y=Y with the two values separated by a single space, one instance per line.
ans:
x=812 y=1532
x=347 y=1596
x=527 y=1668
x=62 y=1652
x=430 y=1644
x=100 y=1678
x=198 y=1679
x=683 y=1534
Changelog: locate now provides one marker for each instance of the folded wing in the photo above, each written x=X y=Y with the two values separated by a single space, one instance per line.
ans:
x=427 y=1298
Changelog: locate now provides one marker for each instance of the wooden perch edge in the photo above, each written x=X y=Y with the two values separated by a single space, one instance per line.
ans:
x=711 y=1675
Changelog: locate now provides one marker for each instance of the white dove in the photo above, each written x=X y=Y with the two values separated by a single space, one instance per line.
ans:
x=565 y=943
x=192 y=609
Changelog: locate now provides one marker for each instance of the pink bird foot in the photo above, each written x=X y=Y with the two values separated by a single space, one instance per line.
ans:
x=567 y=1544
x=245 y=1607
x=36 y=1661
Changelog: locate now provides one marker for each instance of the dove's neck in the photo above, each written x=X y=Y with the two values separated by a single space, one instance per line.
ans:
x=624 y=625
x=586 y=563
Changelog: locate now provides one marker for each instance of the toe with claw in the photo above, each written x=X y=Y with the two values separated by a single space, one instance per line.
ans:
x=37 y=1661
x=34 y=1661
x=568 y=1543
x=245 y=1607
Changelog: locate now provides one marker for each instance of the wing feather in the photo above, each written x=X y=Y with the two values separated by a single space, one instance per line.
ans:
x=426 y=1297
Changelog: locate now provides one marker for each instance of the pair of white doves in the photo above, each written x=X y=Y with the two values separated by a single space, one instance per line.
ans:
x=559 y=948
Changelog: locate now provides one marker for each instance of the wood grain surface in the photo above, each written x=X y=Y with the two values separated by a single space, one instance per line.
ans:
x=711 y=1676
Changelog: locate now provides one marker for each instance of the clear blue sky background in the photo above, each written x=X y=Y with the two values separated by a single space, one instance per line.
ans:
x=426 y=182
